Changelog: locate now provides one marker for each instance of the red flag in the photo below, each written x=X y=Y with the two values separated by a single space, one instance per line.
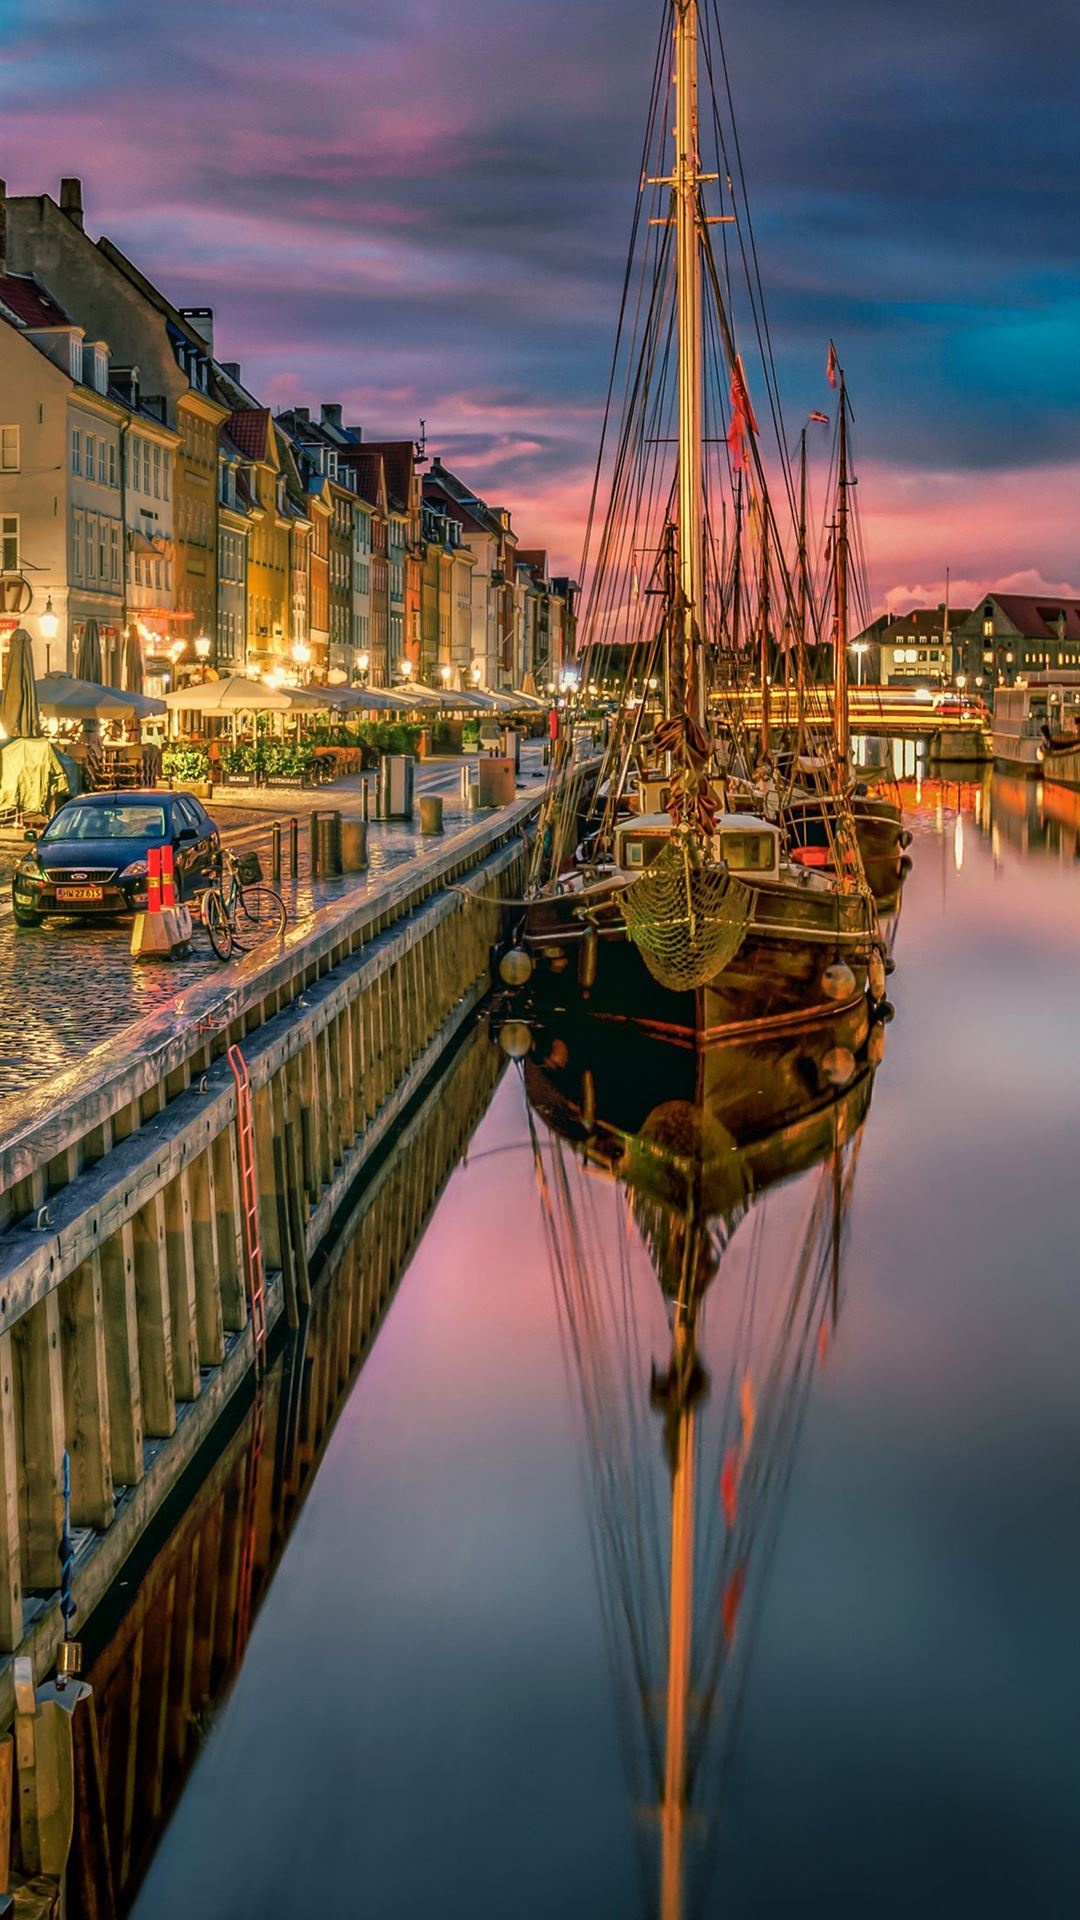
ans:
x=832 y=365
x=729 y=1605
x=821 y=418
x=736 y=439
x=729 y=1483
x=740 y=396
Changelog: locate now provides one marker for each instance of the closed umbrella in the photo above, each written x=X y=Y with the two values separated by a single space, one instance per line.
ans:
x=131 y=667
x=19 y=714
x=88 y=657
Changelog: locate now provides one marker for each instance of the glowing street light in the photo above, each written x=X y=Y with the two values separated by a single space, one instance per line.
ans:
x=446 y=673
x=202 y=653
x=405 y=668
x=860 y=648
x=50 y=627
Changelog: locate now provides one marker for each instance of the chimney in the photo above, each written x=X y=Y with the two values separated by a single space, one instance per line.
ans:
x=3 y=228
x=302 y=416
x=355 y=433
x=330 y=415
x=232 y=368
x=201 y=321
x=71 y=201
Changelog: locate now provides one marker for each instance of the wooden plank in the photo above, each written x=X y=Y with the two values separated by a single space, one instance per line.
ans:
x=7 y=1790
x=122 y=1355
x=210 y=1330
x=39 y=1415
x=131 y=1768
x=86 y=1395
x=11 y=1611
x=180 y=1264
x=154 y=1318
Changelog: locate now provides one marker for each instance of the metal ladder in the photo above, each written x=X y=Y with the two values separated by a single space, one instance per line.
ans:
x=254 y=1269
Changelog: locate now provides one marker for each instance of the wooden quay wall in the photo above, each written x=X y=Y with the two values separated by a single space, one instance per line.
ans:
x=124 y=1320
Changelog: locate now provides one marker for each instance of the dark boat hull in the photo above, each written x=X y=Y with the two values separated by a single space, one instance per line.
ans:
x=777 y=979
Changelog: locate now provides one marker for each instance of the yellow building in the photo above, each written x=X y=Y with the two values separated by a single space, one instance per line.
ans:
x=195 y=509
x=269 y=583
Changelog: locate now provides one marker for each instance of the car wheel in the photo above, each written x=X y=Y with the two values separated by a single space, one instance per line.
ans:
x=25 y=918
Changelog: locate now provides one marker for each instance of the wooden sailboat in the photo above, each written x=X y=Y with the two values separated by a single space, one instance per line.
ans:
x=688 y=915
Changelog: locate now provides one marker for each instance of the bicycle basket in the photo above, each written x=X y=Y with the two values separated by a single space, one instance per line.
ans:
x=248 y=869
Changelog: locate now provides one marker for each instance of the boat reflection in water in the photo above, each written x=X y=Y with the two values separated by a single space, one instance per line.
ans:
x=692 y=1340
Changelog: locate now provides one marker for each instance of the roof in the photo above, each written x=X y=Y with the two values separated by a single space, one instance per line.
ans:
x=434 y=490
x=398 y=461
x=1038 y=616
x=249 y=430
x=534 y=557
x=30 y=303
x=368 y=468
x=924 y=620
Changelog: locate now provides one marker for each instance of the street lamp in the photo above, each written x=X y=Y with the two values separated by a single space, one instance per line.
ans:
x=405 y=668
x=446 y=673
x=202 y=653
x=50 y=627
x=301 y=654
x=363 y=662
x=860 y=648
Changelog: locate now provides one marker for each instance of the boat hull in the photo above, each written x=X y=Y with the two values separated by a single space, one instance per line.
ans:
x=1062 y=765
x=582 y=953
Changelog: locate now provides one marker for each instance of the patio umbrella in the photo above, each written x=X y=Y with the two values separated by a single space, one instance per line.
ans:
x=68 y=698
x=239 y=695
x=19 y=705
x=131 y=667
x=88 y=658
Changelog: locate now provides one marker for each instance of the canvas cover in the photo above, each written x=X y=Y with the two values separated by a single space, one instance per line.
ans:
x=32 y=774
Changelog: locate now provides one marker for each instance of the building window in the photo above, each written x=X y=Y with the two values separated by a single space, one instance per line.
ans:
x=77 y=546
x=112 y=464
x=103 y=463
x=114 y=553
x=9 y=449
x=76 y=450
x=91 y=548
x=90 y=452
x=165 y=474
x=146 y=467
x=9 y=543
x=157 y=473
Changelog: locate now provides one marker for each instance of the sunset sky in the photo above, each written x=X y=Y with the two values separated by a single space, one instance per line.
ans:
x=418 y=209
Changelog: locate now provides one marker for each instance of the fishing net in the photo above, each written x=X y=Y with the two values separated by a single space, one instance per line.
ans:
x=686 y=919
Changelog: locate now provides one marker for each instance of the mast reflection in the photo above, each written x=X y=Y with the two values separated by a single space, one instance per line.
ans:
x=706 y=1318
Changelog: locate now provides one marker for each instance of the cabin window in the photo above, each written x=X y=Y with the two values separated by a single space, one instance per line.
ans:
x=748 y=852
x=642 y=852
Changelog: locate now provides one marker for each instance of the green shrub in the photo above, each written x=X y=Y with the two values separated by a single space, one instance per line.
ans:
x=185 y=763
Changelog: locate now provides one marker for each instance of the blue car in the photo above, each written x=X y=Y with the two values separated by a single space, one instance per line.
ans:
x=91 y=858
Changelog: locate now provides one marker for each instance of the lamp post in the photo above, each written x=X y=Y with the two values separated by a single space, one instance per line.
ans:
x=860 y=648
x=446 y=673
x=50 y=627
x=363 y=662
x=301 y=654
x=202 y=654
x=476 y=672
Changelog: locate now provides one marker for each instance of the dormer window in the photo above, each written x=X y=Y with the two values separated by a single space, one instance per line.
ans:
x=75 y=356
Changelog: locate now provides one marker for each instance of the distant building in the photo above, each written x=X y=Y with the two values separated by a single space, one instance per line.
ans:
x=913 y=649
x=1009 y=635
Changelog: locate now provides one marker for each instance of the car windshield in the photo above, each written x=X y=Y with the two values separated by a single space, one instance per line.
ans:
x=95 y=820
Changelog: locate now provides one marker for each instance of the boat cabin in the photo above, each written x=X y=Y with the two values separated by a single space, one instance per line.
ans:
x=747 y=844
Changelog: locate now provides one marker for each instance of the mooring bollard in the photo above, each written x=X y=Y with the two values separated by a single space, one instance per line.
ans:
x=313 y=837
x=365 y=809
x=275 y=853
x=354 y=848
x=294 y=848
x=431 y=807
x=466 y=782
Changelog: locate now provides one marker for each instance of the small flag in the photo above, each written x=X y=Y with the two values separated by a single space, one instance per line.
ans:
x=635 y=587
x=832 y=366
x=729 y=1486
x=821 y=418
x=729 y=1605
x=742 y=416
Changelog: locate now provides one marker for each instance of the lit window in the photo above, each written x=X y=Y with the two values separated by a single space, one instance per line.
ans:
x=9 y=543
x=9 y=449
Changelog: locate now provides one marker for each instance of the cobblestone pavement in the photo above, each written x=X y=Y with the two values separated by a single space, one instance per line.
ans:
x=68 y=985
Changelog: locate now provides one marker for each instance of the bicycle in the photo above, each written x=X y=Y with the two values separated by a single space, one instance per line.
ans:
x=237 y=908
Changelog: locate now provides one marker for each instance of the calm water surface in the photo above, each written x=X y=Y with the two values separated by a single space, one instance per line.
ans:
x=452 y=1701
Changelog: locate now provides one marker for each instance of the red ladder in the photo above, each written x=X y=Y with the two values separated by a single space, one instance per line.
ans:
x=249 y=1207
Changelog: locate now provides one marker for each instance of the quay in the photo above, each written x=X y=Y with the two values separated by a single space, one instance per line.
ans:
x=133 y=1293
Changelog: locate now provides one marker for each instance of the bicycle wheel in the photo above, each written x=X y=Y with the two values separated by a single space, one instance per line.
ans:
x=263 y=911
x=216 y=921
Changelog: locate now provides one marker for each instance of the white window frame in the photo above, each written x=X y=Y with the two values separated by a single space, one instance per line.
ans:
x=9 y=449
x=76 y=450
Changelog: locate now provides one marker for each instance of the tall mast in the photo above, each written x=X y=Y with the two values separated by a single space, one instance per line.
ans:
x=842 y=717
x=764 y=610
x=804 y=594
x=680 y=1627
x=686 y=183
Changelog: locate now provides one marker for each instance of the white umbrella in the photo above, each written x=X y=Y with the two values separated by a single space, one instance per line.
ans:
x=239 y=695
x=69 y=698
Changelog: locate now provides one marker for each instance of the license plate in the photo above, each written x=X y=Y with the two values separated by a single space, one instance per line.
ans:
x=80 y=893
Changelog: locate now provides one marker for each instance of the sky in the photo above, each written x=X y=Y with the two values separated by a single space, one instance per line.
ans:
x=421 y=211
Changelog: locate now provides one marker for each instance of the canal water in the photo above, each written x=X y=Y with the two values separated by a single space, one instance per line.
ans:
x=470 y=1675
